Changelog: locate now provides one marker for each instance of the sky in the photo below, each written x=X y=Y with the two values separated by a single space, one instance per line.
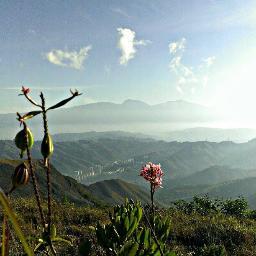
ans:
x=202 y=51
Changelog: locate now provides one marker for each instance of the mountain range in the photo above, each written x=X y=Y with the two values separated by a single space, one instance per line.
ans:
x=104 y=165
x=171 y=121
x=129 y=116
x=211 y=134
x=106 y=156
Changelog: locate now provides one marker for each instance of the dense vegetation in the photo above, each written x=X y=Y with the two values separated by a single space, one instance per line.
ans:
x=200 y=227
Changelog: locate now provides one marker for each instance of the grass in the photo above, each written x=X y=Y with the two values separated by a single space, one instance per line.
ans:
x=191 y=234
x=72 y=223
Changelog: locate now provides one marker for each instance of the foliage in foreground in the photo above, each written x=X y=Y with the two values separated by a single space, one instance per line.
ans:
x=194 y=233
x=202 y=227
x=128 y=236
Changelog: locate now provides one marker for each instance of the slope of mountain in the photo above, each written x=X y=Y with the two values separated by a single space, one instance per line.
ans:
x=230 y=189
x=219 y=169
x=92 y=135
x=78 y=155
x=214 y=175
x=94 y=160
x=63 y=187
x=242 y=187
x=177 y=159
x=114 y=191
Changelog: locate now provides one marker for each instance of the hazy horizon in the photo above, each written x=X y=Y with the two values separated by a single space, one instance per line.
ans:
x=154 y=51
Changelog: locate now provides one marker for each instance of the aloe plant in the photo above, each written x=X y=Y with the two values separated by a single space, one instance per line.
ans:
x=126 y=234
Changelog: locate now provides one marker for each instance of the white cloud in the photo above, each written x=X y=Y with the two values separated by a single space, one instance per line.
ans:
x=127 y=44
x=187 y=75
x=176 y=49
x=175 y=64
x=71 y=59
x=180 y=45
x=209 y=61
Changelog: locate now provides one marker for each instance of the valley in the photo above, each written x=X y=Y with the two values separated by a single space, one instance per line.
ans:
x=224 y=169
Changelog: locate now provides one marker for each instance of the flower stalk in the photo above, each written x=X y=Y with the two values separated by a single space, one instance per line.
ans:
x=46 y=146
x=47 y=163
x=34 y=180
x=153 y=174
x=152 y=229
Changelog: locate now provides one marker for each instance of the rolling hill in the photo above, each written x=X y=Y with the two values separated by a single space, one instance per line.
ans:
x=190 y=167
x=106 y=157
x=114 y=191
x=92 y=135
x=214 y=175
x=65 y=188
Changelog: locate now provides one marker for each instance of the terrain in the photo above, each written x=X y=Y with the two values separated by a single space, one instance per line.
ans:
x=196 y=228
x=224 y=169
x=67 y=189
x=129 y=116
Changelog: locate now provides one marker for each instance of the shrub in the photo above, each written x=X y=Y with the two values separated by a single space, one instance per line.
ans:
x=236 y=207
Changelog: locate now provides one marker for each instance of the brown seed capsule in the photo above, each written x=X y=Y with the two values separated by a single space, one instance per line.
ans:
x=20 y=176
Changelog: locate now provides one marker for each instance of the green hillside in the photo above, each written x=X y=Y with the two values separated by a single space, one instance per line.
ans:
x=63 y=188
x=190 y=168
x=114 y=191
x=214 y=175
x=66 y=189
x=230 y=189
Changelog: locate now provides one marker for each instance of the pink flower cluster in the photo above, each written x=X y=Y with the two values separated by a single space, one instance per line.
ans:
x=152 y=173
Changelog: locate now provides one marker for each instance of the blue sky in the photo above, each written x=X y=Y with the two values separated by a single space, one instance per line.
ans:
x=153 y=50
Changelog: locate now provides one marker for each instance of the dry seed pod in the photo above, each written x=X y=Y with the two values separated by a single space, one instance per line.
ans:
x=20 y=176
x=20 y=140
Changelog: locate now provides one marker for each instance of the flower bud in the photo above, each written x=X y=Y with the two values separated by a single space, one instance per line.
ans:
x=20 y=176
x=47 y=148
x=20 y=140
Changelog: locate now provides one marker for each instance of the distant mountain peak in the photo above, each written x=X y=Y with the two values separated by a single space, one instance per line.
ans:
x=134 y=102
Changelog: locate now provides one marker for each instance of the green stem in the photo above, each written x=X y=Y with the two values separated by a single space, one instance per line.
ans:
x=47 y=163
x=153 y=233
x=49 y=195
x=152 y=192
x=34 y=180
x=152 y=198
